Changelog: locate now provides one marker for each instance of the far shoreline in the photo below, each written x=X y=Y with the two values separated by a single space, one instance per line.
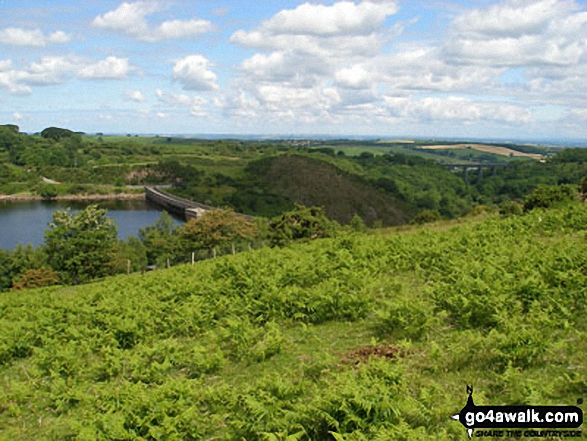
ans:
x=74 y=197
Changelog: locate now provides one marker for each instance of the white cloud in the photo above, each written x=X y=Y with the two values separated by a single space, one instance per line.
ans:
x=5 y=65
x=580 y=114
x=161 y=115
x=193 y=72
x=355 y=77
x=135 y=95
x=17 y=116
x=130 y=18
x=520 y=33
x=49 y=70
x=110 y=68
x=31 y=37
x=456 y=109
x=182 y=29
x=58 y=69
x=302 y=51
x=343 y=18
x=510 y=18
x=463 y=74
x=195 y=103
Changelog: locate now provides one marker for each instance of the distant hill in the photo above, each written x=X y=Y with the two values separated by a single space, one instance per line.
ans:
x=313 y=182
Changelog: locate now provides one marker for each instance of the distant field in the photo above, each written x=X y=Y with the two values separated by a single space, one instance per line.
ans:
x=395 y=141
x=504 y=151
x=356 y=150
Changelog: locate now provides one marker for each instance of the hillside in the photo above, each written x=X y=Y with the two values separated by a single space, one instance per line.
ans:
x=360 y=337
x=312 y=182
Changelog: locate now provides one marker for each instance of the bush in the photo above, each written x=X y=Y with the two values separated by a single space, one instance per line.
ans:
x=36 y=278
x=426 y=216
x=546 y=196
x=510 y=208
x=303 y=223
x=357 y=224
x=48 y=192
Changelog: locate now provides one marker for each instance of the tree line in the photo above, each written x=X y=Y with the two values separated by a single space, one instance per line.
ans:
x=83 y=246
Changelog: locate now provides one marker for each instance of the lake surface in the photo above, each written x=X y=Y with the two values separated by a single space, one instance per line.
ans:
x=25 y=222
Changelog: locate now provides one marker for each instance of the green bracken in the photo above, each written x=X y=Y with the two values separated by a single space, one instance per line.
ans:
x=259 y=346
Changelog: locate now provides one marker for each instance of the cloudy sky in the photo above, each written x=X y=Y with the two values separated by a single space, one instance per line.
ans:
x=512 y=69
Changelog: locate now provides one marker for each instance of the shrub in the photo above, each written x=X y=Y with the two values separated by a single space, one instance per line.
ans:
x=303 y=223
x=48 y=192
x=426 y=216
x=546 y=196
x=36 y=278
x=510 y=208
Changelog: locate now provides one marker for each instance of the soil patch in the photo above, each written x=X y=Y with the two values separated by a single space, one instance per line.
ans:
x=362 y=355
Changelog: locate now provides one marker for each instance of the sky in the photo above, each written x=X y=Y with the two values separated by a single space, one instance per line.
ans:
x=510 y=69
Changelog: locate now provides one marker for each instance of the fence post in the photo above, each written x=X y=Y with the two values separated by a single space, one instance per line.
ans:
x=168 y=265
x=233 y=250
x=127 y=267
x=193 y=257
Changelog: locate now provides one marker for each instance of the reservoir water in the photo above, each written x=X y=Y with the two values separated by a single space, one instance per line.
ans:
x=25 y=222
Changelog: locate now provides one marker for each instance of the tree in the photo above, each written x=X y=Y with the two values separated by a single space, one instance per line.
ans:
x=8 y=138
x=15 y=263
x=357 y=224
x=132 y=250
x=221 y=226
x=12 y=127
x=300 y=224
x=546 y=196
x=56 y=133
x=81 y=246
x=161 y=240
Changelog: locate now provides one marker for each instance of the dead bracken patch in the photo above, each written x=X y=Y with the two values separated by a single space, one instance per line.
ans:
x=362 y=355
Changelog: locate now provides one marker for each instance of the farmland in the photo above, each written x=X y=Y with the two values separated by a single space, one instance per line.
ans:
x=358 y=337
x=496 y=150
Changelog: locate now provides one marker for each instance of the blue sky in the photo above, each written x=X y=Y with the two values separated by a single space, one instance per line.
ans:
x=486 y=69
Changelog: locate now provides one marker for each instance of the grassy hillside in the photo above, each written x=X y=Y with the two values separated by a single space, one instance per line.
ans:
x=355 y=338
x=313 y=182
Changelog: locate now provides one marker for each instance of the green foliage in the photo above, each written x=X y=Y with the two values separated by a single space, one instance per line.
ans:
x=216 y=228
x=134 y=251
x=570 y=155
x=56 y=133
x=301 y=224
x=510 y=208
x=548 y=196
x=426 y=216
x=357 y=224
x=48 y=191
x=260 y=345
x=12 y=127
x=36 y=278
x=17 y=262
x=81 y=245
x=8 y=138
x=161 y=241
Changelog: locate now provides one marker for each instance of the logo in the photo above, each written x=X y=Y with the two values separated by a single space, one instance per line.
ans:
x=519 y=417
